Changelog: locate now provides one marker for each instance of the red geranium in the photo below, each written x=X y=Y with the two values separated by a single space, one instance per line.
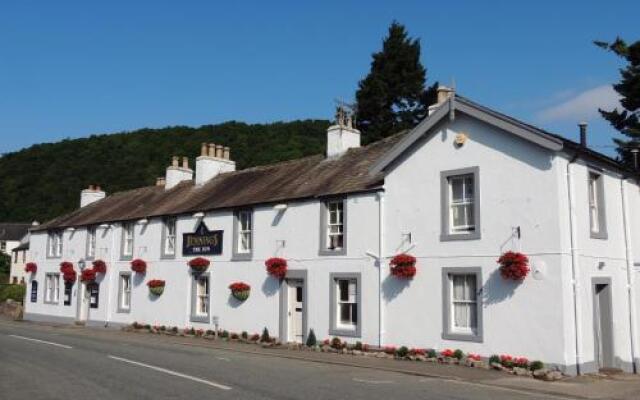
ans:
x=276 y=267
x=474 y=357
x=155 y=283
x=239 y=287
x=100 y=267
x=139 y=266
x=514 y=266
x=447 y=353
x=66 y=266
x=199 y=264
x=69 y=276
x=403 y=266
x=31 y=267
x=88 y=275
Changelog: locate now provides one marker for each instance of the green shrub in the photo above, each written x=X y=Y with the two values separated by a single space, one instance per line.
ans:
x=265 y=335
x=13 y=292
x=431 y=353
x=402 y=352
x=244 y=335
x=459 y=354
x=494 y=359
x=311 y=338
x=147 y=326
x=174 y=329
x=210 y=332
x=336 y=343
x=225 y=334
x=163 y=328
x=536 y=365
x=358 y=346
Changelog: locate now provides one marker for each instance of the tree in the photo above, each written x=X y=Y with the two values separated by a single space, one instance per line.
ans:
x=626 y=121
x=392 y=96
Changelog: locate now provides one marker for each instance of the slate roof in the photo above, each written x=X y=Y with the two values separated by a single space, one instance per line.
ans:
x=13 y=231
x=305 y=178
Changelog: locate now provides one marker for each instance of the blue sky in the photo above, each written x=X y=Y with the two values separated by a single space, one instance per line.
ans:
x=72 y=69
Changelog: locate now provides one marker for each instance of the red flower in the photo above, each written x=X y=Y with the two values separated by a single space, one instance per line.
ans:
x=390 y=349
x=521 y=362
x=199 y=264
x=447 y=353
x=514 y=266
x=155 y=283
x=88 y=275
x=474 y=357
x=505 y=358
x=276 y=267
x=239 y=287
x=31 y=267
x=69 y=276
x=403 y=266
x=417 y=352
x=139 y=266
x=100 y=267
x=66 y=266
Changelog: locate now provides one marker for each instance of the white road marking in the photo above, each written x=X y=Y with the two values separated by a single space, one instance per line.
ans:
x=64 y=346
x=223 y=359
x=170 y=372
x=374 y=382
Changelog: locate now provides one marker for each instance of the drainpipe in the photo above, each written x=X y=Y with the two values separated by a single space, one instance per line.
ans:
x=381 y=262
x=630 y=278
x=575 y=263
x=111 y=272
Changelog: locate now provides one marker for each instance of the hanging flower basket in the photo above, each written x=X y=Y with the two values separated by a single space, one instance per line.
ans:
x=156 y=286
x=276 y=267
x=66 y=266
x=240 y=290
x=100 y=267
x=139 y=266
x=88 y=275
x=69 y=276
x=199 y=264
x=31 y=267
x=514 y=266
x=403 y=266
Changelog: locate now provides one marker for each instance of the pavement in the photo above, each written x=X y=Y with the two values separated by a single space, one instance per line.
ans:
x=48 y=361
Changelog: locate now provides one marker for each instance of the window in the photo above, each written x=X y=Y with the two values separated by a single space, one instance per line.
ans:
x=333 y=227
x=68 y=288
x=34 y=291
x=200 y=298
x=24 y=256
x=15 y=257
x=243 y=235
x=462 y=303
x=52 y=289
x=169 y=237
x=91 y=242
x=346 y=305
x=54 y=249
x=597 y=220
x=460 y=204
x=124 y=292
x=3 y=246
x=94 y=294
x=127 y=240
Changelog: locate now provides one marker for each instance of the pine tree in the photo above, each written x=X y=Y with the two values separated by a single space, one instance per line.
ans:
x=626 y=121
x=392 y=96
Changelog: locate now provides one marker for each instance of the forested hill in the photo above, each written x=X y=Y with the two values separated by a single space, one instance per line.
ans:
x=45 y=180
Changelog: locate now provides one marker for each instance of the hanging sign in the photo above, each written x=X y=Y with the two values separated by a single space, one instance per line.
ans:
x=202 y=242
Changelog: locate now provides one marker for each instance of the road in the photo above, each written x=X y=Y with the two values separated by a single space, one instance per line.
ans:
x=37 y=362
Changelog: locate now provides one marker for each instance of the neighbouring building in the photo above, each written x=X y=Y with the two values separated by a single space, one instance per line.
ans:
x=463 y=187
x=11 y=236
x=19 y=256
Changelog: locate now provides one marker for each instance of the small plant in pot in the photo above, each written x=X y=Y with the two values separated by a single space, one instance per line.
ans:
x=199 y=265
x=514 y=266
x=156 y=286
x=403 y=266
x=88 y=275
x=276 y=267
x=31 y=268
x=240 y=290
x=100 y=267
x=139 y=266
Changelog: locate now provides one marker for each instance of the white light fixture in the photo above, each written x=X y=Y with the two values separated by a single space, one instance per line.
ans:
x=280 y=207
x=105 y=226
x=198 y=215
x=71 y=229
x=143 y=221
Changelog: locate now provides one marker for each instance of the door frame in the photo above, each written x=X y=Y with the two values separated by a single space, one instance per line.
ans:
x=298 y=275
x=597 y=328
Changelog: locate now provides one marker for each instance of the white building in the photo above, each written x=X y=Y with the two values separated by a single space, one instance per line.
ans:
x=11 y=237
x=460 y=189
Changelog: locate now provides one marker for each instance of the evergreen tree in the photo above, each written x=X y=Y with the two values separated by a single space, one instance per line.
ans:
x=626 y=121
x=392 y=96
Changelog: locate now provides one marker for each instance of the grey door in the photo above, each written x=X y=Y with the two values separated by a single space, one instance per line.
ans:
x=603 y=324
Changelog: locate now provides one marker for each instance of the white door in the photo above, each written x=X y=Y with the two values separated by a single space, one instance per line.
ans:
x=83 y=303
x=296 y=309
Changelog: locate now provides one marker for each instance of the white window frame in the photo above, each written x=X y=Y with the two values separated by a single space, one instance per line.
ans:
x=124 y=292
x=596 y=202
x=464 y=204
x=471 y=304
x=169 y=237
x=198 y=298
x=335 y=209
x=91 y=242
x=128 y=237
x=52 y=288
x=353 y=301
x=450 y=330
x=54 y=244
x=245 y=230
x=470 y=179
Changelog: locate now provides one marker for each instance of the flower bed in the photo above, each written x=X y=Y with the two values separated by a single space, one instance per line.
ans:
x=403 y=266
x=514 y=266
x=139 y=266
x=100 y=267
x=276 y=267
x=31 y=267
x=156 y=286
x=240 y=290
x=199 y=264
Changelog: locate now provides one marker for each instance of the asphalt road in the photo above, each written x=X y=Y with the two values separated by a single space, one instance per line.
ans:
x=41 y=363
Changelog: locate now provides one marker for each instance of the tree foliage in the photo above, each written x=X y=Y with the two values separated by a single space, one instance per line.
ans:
x=392 y=96
x=45 y=180
x=627 y=120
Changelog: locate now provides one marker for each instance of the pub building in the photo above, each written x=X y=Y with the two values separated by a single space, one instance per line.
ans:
x=393 y=243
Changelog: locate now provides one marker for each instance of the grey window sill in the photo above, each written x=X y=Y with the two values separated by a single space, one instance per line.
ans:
x=126 y=258
x=344 y=332
x=326 y=252
x=123 y=310
x=199 y=318
x=167 y=256
x=599 y=235
x=448 y=237
x=53 y=303
x=462 y=337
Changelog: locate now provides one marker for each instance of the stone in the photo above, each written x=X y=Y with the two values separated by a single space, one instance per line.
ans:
x=381 y=355
x=540 y=373
x=432 y=359
x=551 y=376
x=475 y=363
x=420 y=358
x=497 y=366
x=520 y=371
x=357 y=353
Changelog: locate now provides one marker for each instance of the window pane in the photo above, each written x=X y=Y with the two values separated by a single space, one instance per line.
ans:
x=345 y=313
x=461 y=313
x=343 y=286
x=456 y=189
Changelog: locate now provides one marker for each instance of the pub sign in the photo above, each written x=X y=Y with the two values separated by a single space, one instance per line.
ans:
x=202 y=242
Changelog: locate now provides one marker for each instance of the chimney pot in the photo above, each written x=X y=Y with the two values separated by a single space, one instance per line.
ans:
x=212 y=149
x=97 y=188
x=226 y=152
x=185 y=162
x=219 y=150
x=175 y=160
x=203 y=149
x=583 y=134
x=444 y=93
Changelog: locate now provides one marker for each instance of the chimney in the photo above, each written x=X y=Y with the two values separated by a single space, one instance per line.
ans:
x=583 y=134
x=215 y=160
x=91 y=195
x=160 y=181
x=444 y=93
x=342 y=136
x=176 y=173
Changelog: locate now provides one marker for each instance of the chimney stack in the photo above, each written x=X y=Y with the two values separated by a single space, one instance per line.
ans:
x=215 y=160
x=444 y=93
x=91 y=195
x=176 y=173
x=583 y=134
x=342 y=136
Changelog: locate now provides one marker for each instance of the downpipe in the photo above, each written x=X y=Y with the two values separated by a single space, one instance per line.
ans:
x=381 y=262
x=575 y=265
x=630 y=277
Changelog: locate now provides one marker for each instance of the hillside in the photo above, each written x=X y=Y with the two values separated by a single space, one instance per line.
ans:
x=44 y=180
